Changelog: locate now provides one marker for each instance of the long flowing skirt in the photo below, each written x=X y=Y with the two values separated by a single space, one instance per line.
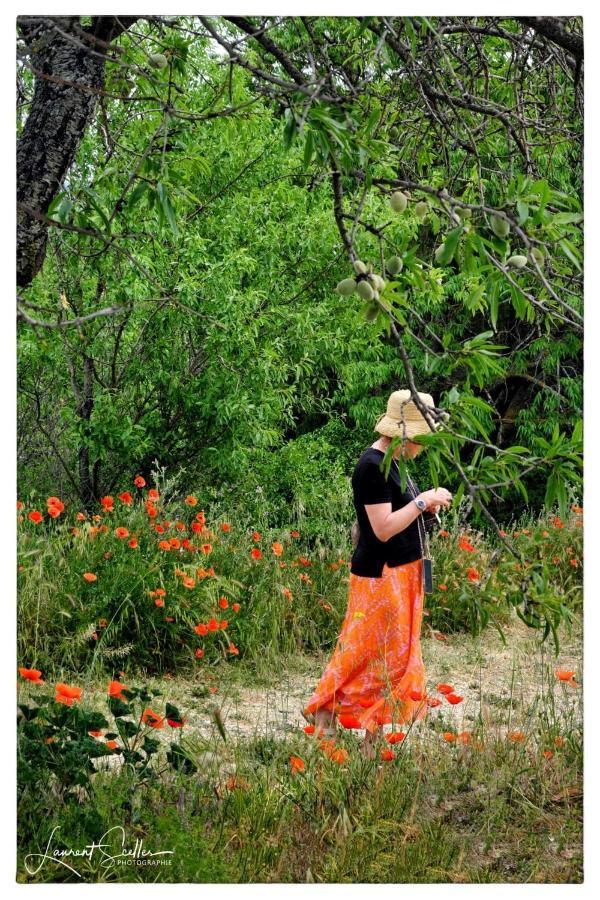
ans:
x=377 y=662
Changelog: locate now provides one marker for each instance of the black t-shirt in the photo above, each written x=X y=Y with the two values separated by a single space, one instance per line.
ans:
x=370 y=486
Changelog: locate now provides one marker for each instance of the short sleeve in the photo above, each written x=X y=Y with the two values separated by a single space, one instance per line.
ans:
x=373 y=486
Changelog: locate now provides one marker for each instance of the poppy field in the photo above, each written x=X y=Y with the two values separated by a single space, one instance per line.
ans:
x=165 y=654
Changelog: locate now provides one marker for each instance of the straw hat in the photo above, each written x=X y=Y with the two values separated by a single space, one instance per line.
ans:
x=402 y=417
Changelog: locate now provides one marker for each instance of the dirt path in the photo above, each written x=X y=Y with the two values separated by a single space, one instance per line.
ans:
x=507 y=685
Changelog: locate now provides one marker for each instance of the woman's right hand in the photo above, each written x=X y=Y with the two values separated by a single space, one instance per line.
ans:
x=436 y=497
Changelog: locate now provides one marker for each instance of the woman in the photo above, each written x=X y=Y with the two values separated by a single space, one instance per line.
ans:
x=377 y=662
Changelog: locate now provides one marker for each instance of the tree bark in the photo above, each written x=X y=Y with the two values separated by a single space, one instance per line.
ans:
x=68 y=62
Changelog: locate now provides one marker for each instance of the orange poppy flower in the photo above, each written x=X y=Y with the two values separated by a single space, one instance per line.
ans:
x=115 y=688
x=121 y=532
x=201 y=628
x=223 y=602
x=53 y=512
x=95 y=734
x=449 y=737
x=454 y=699
x=295 y=534
x=153 y=494
x=175 y=543
x=191 y=500
x=445 y=689
x=112 y=745
x=225 y=526
x=309 y=729
x=548 y=754
x=132 y=543
x=464 y=544
x=255 y=536
x=213 y=625
x=416 y=695
x=174 y=723
x=464 y=737
x=516 y=736
x=199 y=653
x=255 y=552
x=107 y=503
x=472 y=574
x=338 y=755
x=387 y=755
x=188 y=582
x=126 y=498
x=277 y=548
x=233 y=649
x=557 y=522
x=442 y=587
x=206 y=548
x=236 y=607
x=159 y=602
x=31 y=675
x=433 y=702
x=66 y=694
x=149 y=717
x=164 y=545
x=395 y=737
x=443 y=533
x=139 y=481
x=564 y=674
x=35 y=516
x=89 y=576
x=297 y=764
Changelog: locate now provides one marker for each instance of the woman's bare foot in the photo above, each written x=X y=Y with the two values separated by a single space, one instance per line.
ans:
x=325 y=723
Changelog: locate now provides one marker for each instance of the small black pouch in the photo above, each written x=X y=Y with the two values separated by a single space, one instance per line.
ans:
x=428 y=574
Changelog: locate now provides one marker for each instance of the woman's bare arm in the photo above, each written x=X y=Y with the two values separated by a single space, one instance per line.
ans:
x=385 y=523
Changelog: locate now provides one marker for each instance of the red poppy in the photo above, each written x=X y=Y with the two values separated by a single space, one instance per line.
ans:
x=32 y=675
x=472 y=574
x=416 y=695
x=126 y=498
x=255 y=552
x=139 y=481
x=387 y=755
x=445 y=689
x=199 y=653
x=442 y=587
x=153 y=494
x=256 y=536
x=67 y=694
x=233 y=649
x=395 y=737
x=516 y=736
x=225 y=526
x=149 y=717
x=454 y=699
x=297 y=764
x=115 y=688
x=223 y=602
x=443 y=533
x=213 y=625
x=294 y=534
x=309 y=729
x=464 y=544
x=201 y=628
x=121 y=532
x=433 y=701
x=174 y=723
x=236 y=607
x=449 y=737
x=35 y=516
x=339 y=756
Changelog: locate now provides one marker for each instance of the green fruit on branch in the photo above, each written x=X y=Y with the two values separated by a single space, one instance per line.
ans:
x=463 y=212
x=394 y=265
x=517 y=261
x=371 y=311
x=394 y=132
x=500 y=226
x=158 y=60
x=378 y=282
x=359 y=267
x=398 y=201
x=346 y=287
x=365 y=290
x=537 y=255
x=421 y=209
x=439 y=252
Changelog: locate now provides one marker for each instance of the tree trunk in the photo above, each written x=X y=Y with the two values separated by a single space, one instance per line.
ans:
x=68 y=62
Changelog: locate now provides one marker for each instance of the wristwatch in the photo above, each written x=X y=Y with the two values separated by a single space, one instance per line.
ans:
x=420 y=503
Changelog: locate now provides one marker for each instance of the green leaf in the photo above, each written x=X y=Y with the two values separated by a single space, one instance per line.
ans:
x=165 y=203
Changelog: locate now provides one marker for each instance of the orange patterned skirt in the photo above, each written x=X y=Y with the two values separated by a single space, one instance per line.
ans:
x=377 y=660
